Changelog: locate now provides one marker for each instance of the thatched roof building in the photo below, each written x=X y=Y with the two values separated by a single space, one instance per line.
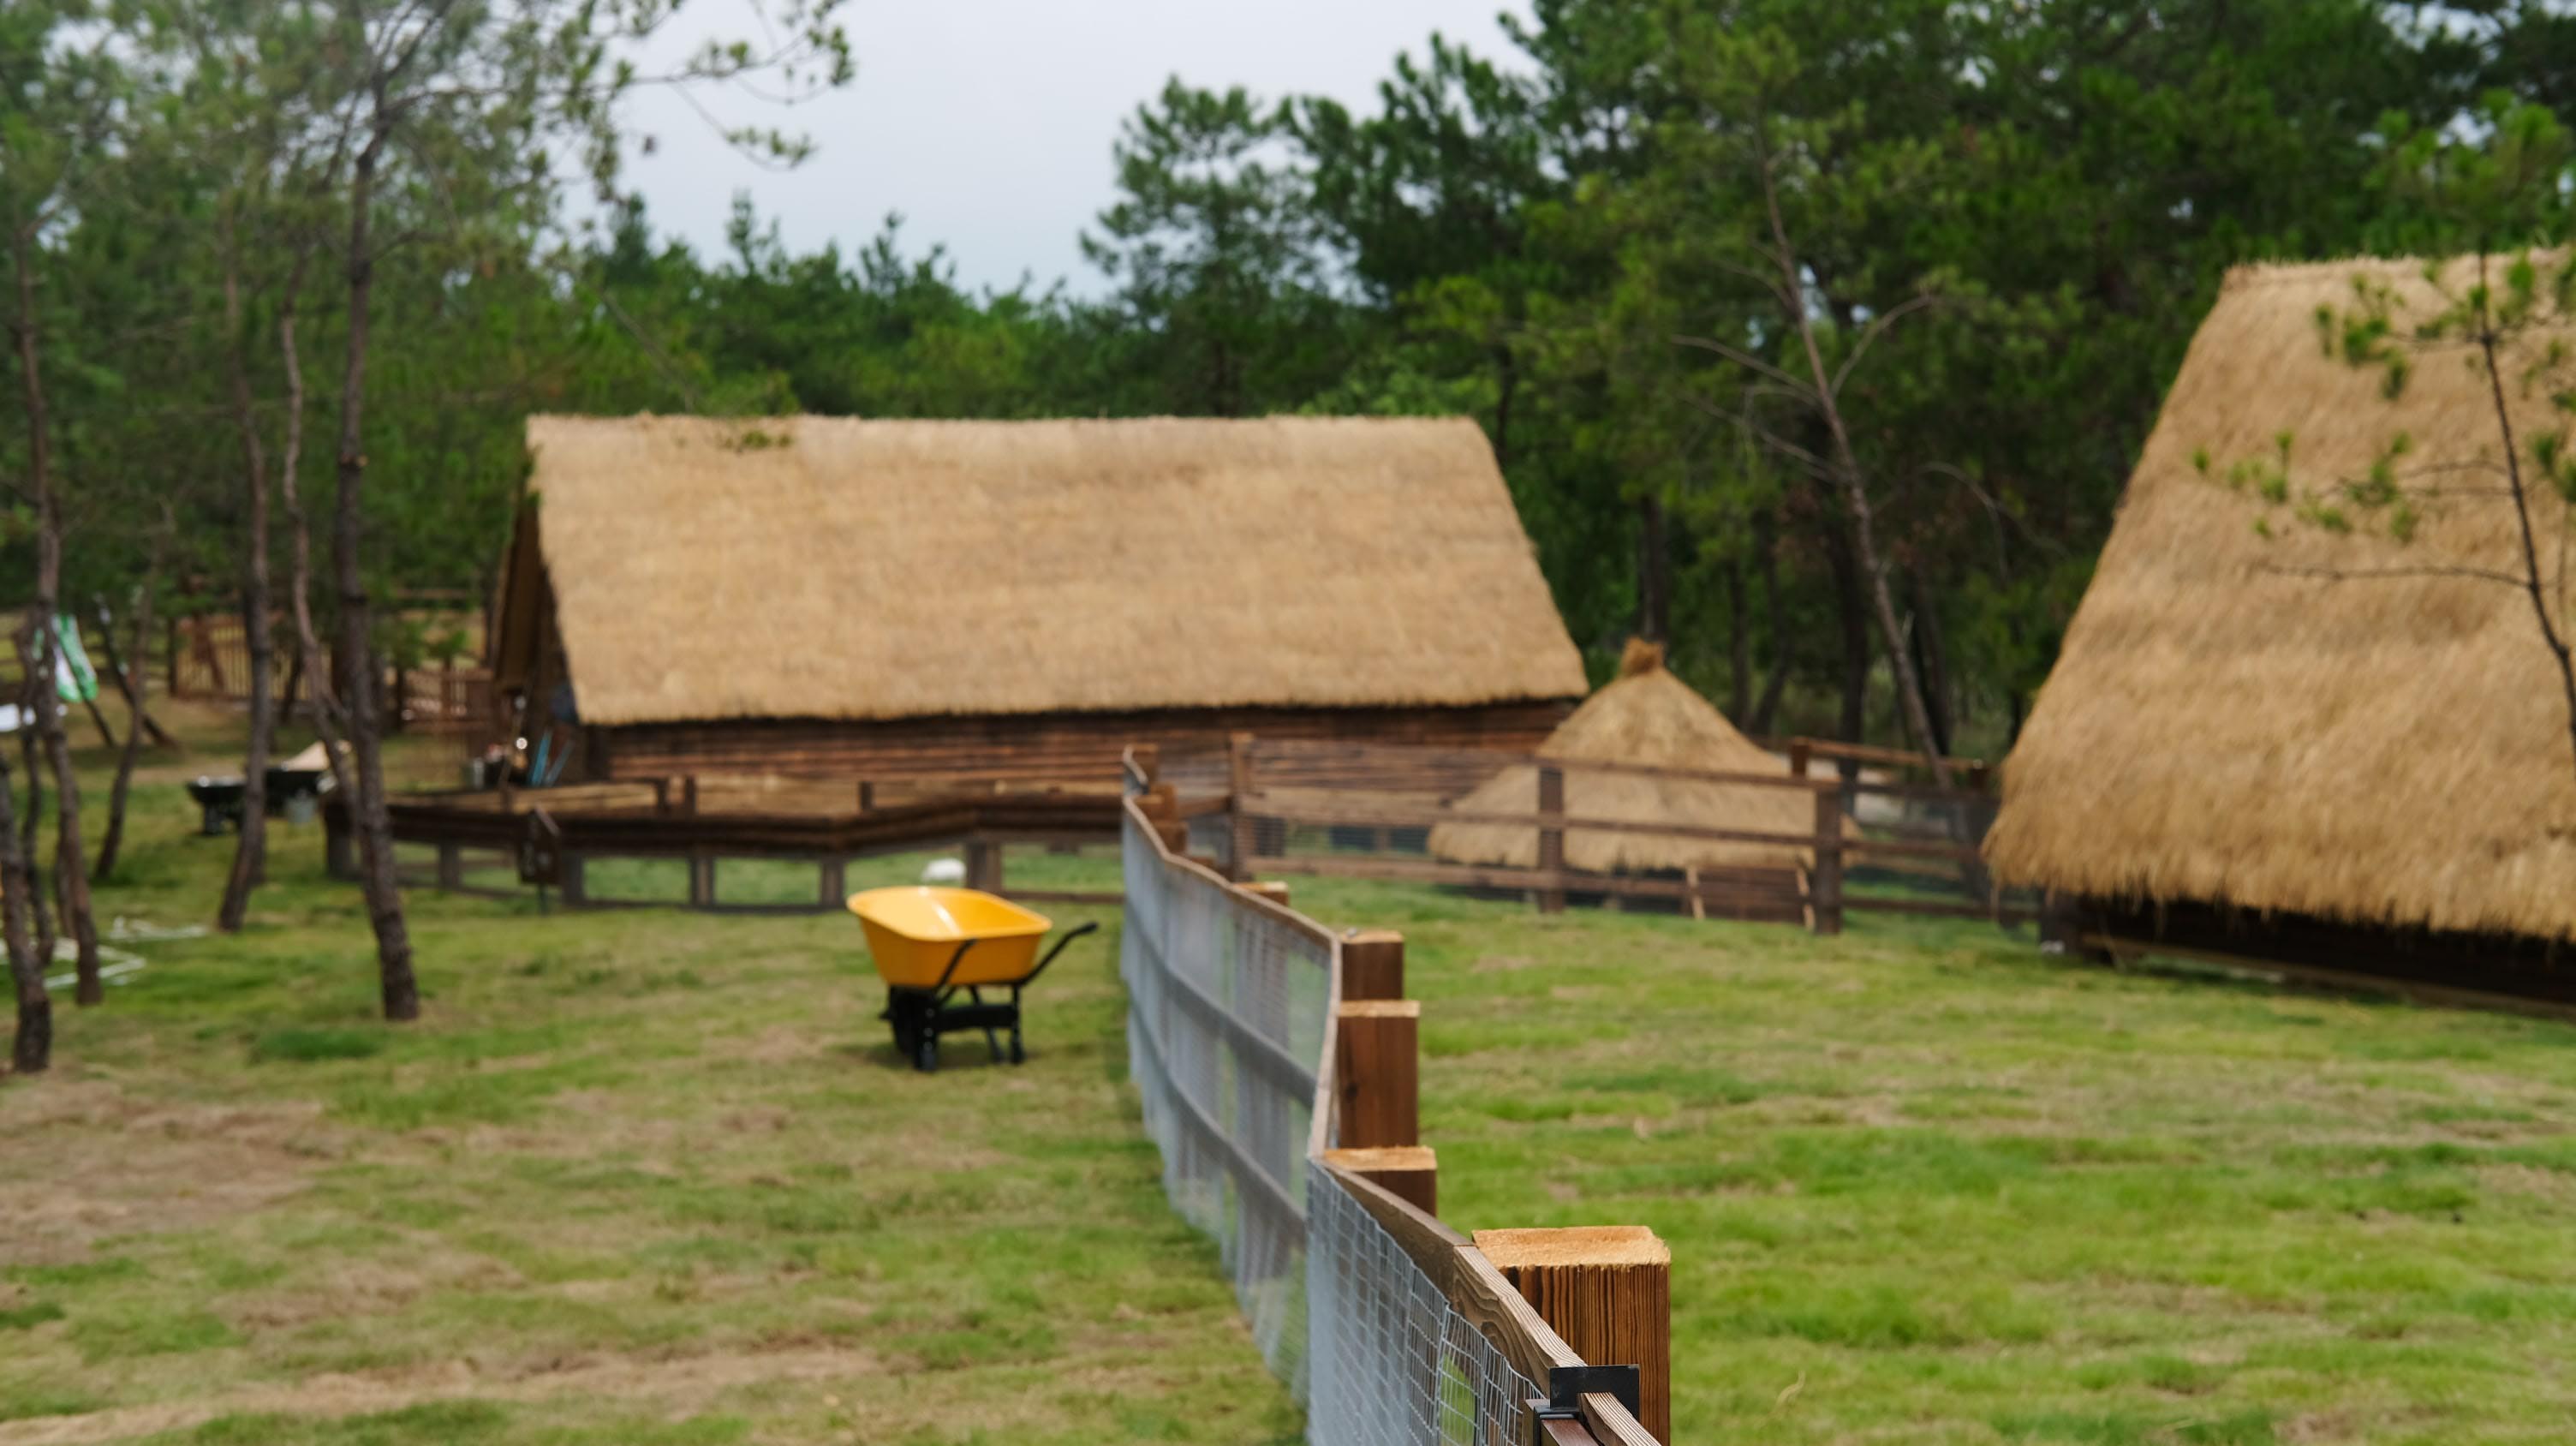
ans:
x=832 y=595
x=1645 y=716
x=2231 y=729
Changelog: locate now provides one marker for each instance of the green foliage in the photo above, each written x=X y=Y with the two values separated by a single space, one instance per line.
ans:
x=2009 y=223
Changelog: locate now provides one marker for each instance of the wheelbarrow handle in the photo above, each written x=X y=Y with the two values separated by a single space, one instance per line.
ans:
x=953 y=961
x=1076 y=932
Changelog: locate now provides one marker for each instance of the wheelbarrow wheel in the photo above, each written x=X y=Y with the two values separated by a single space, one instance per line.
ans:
x=925 y=1055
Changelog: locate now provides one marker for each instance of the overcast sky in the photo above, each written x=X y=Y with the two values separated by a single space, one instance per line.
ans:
x=988 y=123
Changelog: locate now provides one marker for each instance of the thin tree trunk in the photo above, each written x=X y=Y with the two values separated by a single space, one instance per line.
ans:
x=1766 y=542
x=113 y=841
x=31 y=1045
x=1851 y=607
x=250 y=851
x=131 y=687
x=1909 y=688
x=308 y=638
x=367 y=812
x=2532 y=578
x=1654 y=570
x=1739 y=644
x=1932 y=661
x=71 y=860
x=98 y=720
x=40 y=908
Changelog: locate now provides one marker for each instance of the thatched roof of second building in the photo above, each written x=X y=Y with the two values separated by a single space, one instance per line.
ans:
x=1645 y=716
x=830 y=568
x=2228 y=724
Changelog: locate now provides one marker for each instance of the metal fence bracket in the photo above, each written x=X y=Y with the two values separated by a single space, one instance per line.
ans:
x=1568 y=1385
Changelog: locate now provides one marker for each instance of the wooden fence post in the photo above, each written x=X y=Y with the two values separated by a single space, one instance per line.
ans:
x=833 y=884
x=1825 y=881
x=451 y=865
x=570 y=879
x=702 y=880
x=984 y=866
x=1238 y=764
x=1376 y=1072
x=1276 y=893
x=1410 y=1173
x=1608 y=1290
x=1373 y=964
x=1801 y=757
x=1551 y=838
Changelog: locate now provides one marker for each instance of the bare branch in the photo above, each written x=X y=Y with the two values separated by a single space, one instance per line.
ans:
x=1746 y=360
x=1870 y=333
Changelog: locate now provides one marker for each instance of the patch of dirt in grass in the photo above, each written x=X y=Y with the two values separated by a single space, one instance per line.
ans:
x=781 y=1044
x=2529 y=1181
x=680 y=1384
x=88 y=1160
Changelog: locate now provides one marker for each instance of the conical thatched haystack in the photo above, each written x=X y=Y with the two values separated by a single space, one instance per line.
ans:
x=1645 y=716
x=2230 y=725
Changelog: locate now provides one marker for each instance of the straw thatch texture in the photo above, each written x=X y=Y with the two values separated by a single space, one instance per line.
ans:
x=1650 y=717
x=831 y=568
x=2380 y=750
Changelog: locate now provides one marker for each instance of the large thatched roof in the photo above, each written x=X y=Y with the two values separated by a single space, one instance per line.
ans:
x=2224 y=725
x=1645 y=716
x=828 y=568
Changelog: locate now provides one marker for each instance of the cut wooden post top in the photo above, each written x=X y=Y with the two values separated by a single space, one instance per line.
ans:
x=1276 y=893
x=1380 y=1009
x=1376 y=1159
x=1574 y=1245
x=1372 y=964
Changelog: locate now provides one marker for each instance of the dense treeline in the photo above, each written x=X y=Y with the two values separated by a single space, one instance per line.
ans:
x=1815 y=339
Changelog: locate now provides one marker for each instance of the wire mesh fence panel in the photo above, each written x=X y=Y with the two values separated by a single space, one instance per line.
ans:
x=1227 y=1005
x=1394 y=1364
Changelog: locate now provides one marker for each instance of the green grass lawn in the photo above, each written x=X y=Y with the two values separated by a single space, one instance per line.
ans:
x=637 y=1176
x=653 y=1177
x=1923 y=1185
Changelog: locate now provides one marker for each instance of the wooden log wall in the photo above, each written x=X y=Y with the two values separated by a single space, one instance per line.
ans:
x=1039 y=747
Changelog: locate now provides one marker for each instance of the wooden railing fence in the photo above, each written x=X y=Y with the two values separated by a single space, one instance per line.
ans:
x=1367 y=811
x=1364 y=1141
x=207 y=656
x=821 y=822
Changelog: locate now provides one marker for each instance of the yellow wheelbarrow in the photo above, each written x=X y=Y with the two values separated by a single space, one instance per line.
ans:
x=932 y=944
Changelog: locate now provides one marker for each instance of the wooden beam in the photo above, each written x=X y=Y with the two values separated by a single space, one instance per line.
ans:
x=1373 y=964
x=1411 y=1173
x=1276 y=891
x=1238 y=764
x=1825 y=882
x=702 y=879
x=1608 y=1291
x=984 y=866
x=1376 y=1072
x=1551 y=835
x=832 y=886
